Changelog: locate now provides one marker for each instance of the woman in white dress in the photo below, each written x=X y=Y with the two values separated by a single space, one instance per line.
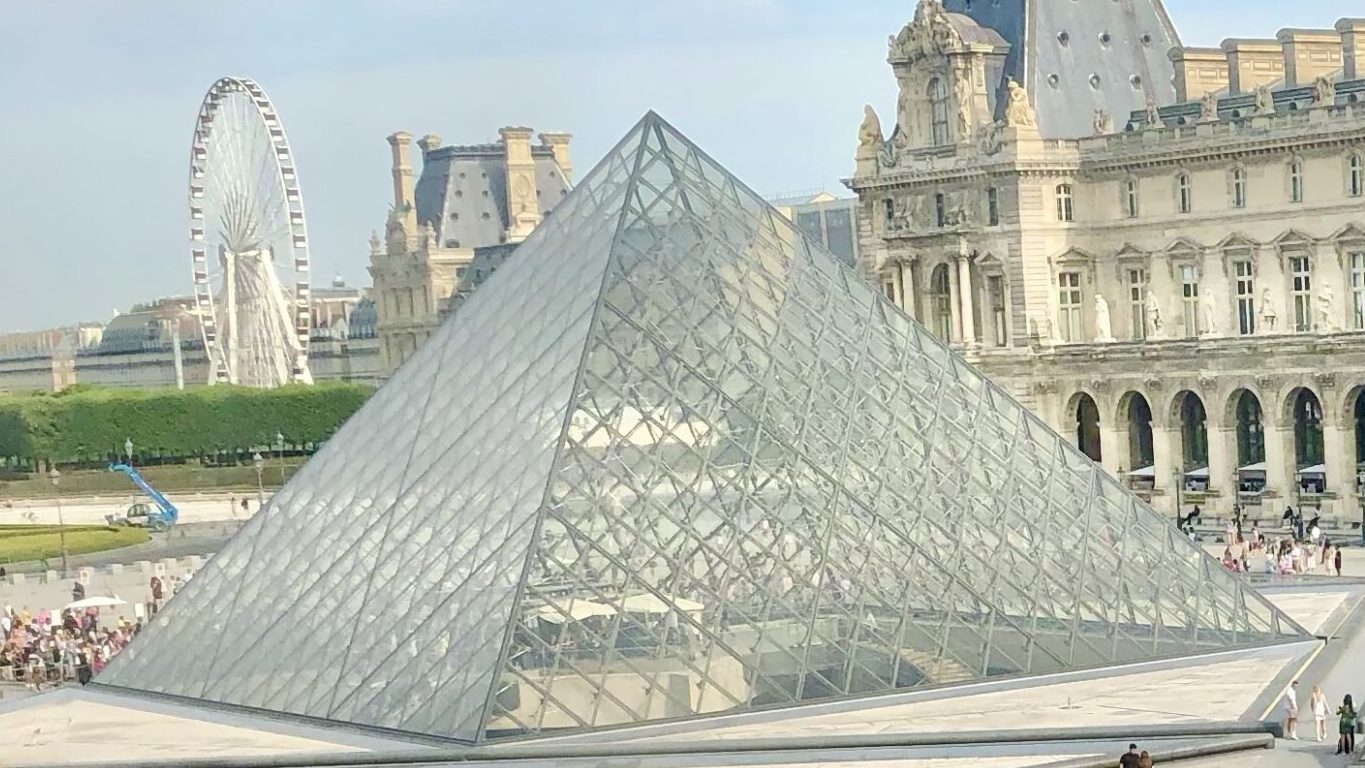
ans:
x=1318 y=702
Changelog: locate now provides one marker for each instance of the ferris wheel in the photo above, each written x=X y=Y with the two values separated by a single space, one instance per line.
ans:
x=248 y=240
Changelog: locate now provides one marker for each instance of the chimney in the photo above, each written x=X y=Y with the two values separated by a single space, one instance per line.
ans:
x=558 y=144
x=404 y=208
x=1309 y=54
x=1198 y=71
x=1253 y=63
x=429 y=143
x=523 y=210
x=1352 y=33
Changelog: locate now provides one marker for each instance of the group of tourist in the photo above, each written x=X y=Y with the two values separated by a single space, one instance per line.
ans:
x=1306 y=549
x=40 y=649
x=1347 y=717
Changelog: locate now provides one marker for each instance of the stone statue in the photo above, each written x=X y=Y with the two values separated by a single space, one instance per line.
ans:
x=1208 y=308
x=1324 y=92
x=1104 y=332
x=1208 y=108
x=1154 y=322
x=1153 y=113
x=905 y=110
x=1325 y=304
x=1265 y=101
x=375 y=244
x=430 y=233
x=962 y=92
x=870 y=132
x=988 y=138
x=1267 y=312
x=1019 y=113
x=1103 y=123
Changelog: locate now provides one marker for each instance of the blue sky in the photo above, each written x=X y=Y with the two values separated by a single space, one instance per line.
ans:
x=100 y=97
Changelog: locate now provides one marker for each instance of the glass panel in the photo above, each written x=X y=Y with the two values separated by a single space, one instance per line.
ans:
x=675 y=460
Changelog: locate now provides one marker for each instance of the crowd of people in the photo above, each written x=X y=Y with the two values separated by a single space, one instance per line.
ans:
x=1306 y=548
x=41 y=649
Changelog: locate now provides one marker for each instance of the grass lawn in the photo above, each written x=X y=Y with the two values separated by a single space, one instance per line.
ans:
x=170 y=480
x=19 y=543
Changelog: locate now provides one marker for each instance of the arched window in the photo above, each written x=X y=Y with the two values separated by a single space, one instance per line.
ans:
x=1184 y=193
x=1065 y=209
x=938 y=110
x=1356 y=175
x=1239 y=188
x=940 y=295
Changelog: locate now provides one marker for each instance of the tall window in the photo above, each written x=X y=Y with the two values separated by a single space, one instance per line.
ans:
x=1184 y=193
x=1301 y=276
x=1246 y=298
x=1189 y=298
x=1239 y=188
x=993 y=207
x=1130 y=198
x=1137 y=301
x=940 y=209
x=1069 y=305
x=1065 y=212
x=940 y=291
x=995 y=286
x=889 y=212
x=1296 y=181
x=1356 y=175
x=938 y=106
x=1358 y=293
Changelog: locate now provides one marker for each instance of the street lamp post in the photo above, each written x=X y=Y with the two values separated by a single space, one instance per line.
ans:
x=61 y=524
x=279 y=452
x=259 y=463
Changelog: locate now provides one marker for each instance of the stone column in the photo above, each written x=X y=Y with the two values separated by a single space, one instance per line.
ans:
x=1279 y=461
x=1222 y=461
x=1166 y=459
x=1110 y=445
x=956 y=306
x=909 y=297
x=1341 y=473
x=967 y=323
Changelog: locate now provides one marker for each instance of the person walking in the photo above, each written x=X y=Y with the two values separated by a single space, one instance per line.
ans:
x=1130 y=758
x=1317 y=702
x=1289 y=704
x=1336 y=560
x=1144 y=760
x=1346 y=727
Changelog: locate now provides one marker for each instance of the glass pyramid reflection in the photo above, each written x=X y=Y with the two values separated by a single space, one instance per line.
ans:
x=671 y=461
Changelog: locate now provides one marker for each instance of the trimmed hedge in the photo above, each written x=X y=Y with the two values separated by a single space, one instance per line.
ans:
x=90 y=424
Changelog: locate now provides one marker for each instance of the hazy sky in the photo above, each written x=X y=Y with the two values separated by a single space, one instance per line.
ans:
x=99 y=98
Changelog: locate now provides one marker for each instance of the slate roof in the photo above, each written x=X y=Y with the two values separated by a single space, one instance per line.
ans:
x=462 y=191
x=1077 y=57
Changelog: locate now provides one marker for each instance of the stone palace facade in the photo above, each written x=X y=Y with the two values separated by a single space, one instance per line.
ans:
x=1160 y=250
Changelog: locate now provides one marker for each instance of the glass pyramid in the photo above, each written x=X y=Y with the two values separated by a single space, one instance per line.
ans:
x=673 y=460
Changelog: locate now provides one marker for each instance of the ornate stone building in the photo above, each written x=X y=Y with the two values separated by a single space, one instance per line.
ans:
x=1160 y=250
x=447 y=233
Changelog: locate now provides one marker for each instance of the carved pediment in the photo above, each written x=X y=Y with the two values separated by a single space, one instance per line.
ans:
x=1350 y=234
x=1074 y=257
x=1294 y=240
x=1130 y=252
x=1183 y=248
x=1236 y=241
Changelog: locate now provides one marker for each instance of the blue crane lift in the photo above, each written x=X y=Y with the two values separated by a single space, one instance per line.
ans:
x=166 y=513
